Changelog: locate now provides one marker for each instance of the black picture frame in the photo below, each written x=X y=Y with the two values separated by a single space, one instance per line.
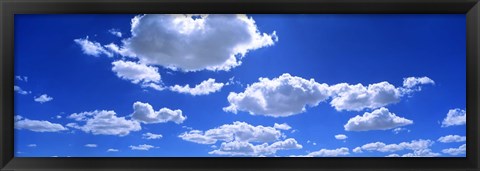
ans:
x=9 y=8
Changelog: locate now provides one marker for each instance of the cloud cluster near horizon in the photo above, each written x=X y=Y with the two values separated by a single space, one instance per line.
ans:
x=243 y=139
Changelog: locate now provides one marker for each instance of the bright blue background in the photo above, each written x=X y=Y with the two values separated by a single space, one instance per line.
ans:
x=329 y=48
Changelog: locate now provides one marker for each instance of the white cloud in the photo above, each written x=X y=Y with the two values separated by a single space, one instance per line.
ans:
x=243 y=139
x=280 y=97
x=393 y=155
x=242 y=148
x=412 y=82
x=144 y=113
x=197 y=136
x=91 y=145
x=382 y=147
x=357 y=150
x=380 y=119
x=358 y=97
x=289 y=143
x=20 y=90
x=187 y=127
x=37 y=125
x=118 y=50
x=422 y=153
x=32 y=145
x=328 y=153
x=455 y=117
x=341 y=137
x=92 y=48
x=238 y=131
x=283 y=126
x=112 y=150
x=195 y=42
x=143 y=147
x=204 y=88
x=115 y=32
x=17 y=117
x=43 y=98
x=414 y=145
x=455 y=151
x=136 y=72
x=289 y=95
x=21 y=78
x=104 y=123
x=452 y=138
x=151 y=136
x=232 y=81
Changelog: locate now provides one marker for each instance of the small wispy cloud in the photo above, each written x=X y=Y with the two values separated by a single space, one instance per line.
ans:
x=115 y=32
x=43 y=98
x=91 y=145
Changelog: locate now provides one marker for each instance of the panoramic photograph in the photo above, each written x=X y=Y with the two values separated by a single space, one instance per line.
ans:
x=240 y=85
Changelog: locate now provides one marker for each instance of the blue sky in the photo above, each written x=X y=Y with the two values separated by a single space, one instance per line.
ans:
x=240 y=85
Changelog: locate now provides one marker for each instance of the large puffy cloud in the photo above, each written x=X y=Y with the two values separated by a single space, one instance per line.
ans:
x=238 y=131
x=204 y=88
x=144 y=113
x=455 y=117
x=195 y=42
x=380 y=119
x=358 y=97
x=241 y=148
x=288 y=95
x=328 y=153
x=415 y=145
x=452 y=138
x=104 y=123
x=242 y=139
x=37 y=125
x=456 y=151
x=279 y=97
x=135 y=72
x=92 y=48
